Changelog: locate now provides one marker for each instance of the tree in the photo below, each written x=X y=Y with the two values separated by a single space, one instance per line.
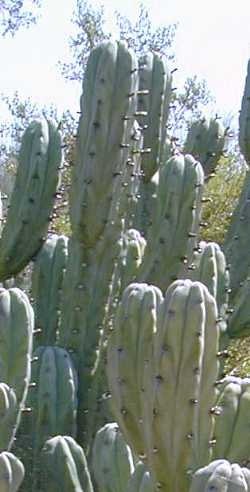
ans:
x=15 y=14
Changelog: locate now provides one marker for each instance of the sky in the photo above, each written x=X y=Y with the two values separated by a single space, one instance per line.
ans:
x=212 y=41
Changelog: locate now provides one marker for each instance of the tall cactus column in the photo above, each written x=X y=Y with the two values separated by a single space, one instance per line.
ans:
x=162 y=366
x=108 y=107
x=32 y=198
x=155 y=91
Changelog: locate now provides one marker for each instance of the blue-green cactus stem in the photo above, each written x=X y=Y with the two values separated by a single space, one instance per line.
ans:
x=131 y=256
x=140 y=480
x=130 y=196
x=47 y=281
x=155 y=91
x=11 y=472
x=233 y=407
x=173 y=233
x=103 y=154
x=134 y=326
x=52 y=403
x=8 y=416
x=162 y=366
x=112 y=460
x=211 y=269
x=244 y=119
x=206 y=140
x=32 y=198
x=236 y=242
x=108 y=109
x=53 y=400
x=239 y=317
x=221 y=476
x=64 y=467
x=16 y=334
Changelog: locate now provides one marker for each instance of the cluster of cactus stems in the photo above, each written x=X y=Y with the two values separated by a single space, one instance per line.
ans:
x=112 y=381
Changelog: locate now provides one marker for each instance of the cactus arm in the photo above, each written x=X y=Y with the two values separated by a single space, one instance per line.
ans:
x=236 y=242
x=108 y=114
x=32 y=198
x=16 y=333
x=47 y=281
x=206 y=141
x=221 y=476
x=9 y=416
x=11 y=472
x=66 y=466
x=125 y=356
x=244 y=126
x=173 y=233
x=112 y=460
x=231 y=425
x=140 y=480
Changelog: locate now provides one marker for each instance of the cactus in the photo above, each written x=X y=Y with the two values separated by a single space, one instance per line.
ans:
x=162 y=357
x=235 y=246
x=16 y=334
x=173 y=233
x=55 y=388
x=239 y=319
x=244 y=131
x=221 y=476
x=8 y=416
x=47 y=281
x=210 y=268
x=11 y=472
x=112 y=460
x=233 y=407
x=52 y=404
x=206 y=142
x=162 y=366
x=108 y=113
x=140 y=480
x=64 y=467
x=154 y=96
x=32 y=198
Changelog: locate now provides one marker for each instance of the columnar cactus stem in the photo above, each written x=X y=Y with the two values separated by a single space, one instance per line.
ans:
x=64 y=467
x=173 y=233
x=103 y=152
x=52 y=404
x=155 y=91
x=233 y=407
x=206 y=142
x=140 y=481
x=211 y=269
x=237 y=240
x=221 y=476
x=244 y=123
x=47 y=281
x=16 y=334
x=11 y=472
x=32 y=198
x=112 y=460
x=162 y=366
x=8 y=416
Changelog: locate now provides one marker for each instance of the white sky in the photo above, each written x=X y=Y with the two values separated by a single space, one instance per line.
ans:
x=212 y=41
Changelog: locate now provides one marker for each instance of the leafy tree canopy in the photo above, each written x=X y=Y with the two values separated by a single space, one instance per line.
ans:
x=15 y=14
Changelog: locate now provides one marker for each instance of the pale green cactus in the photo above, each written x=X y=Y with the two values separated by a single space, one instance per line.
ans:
x=221 y=476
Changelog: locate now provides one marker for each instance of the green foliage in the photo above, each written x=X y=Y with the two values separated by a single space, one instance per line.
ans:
x=222 y=192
